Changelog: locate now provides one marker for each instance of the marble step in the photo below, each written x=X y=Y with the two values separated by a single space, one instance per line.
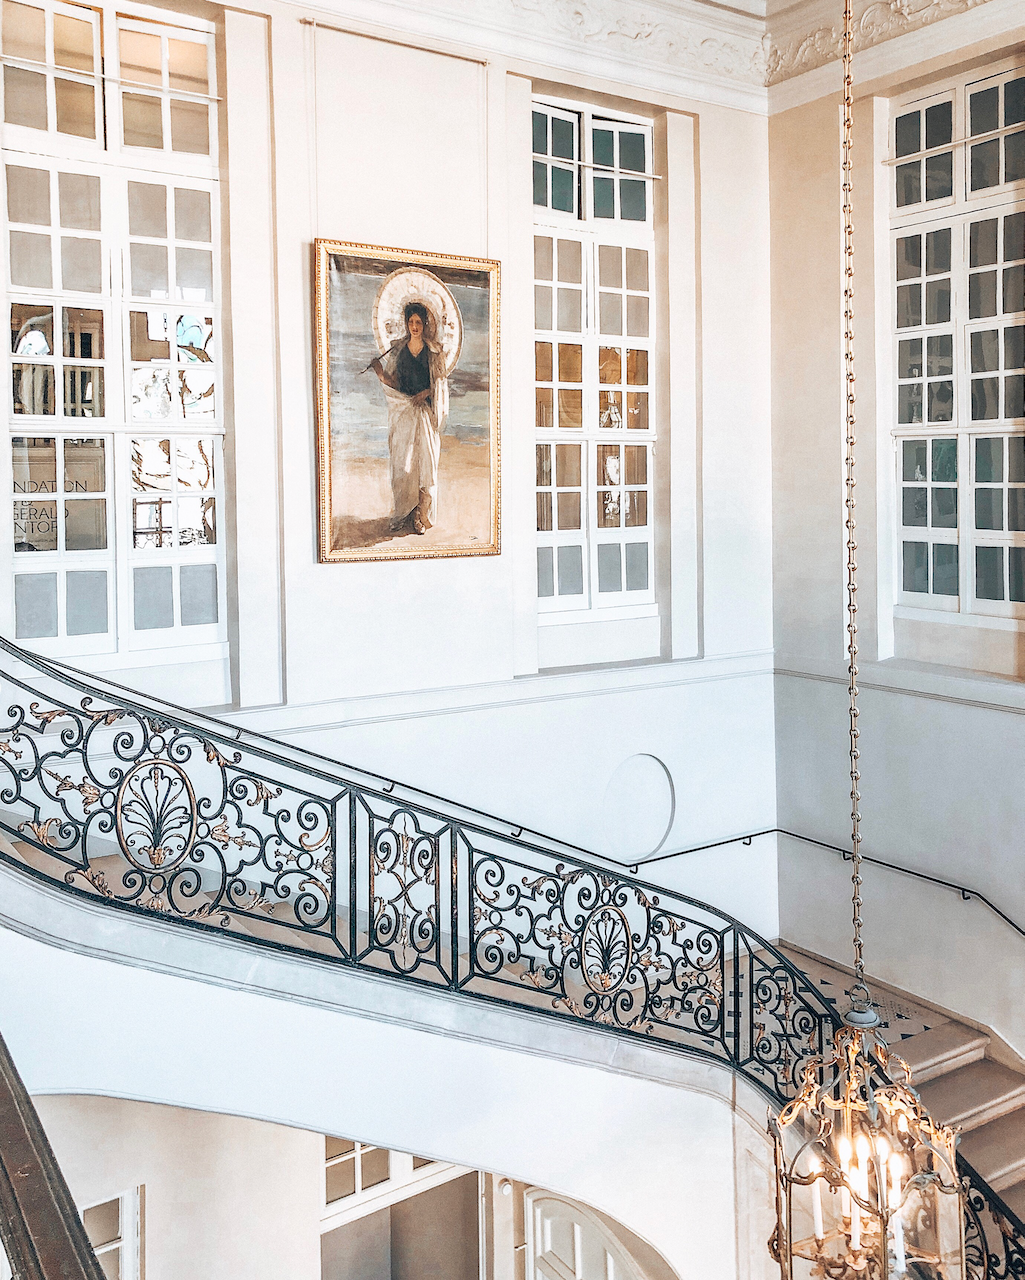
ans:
x=974 y=1095
x=941 y=1049
x=997 y=1150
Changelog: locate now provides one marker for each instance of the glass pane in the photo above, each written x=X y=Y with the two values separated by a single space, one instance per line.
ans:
x=916 y=566
x=152 y=522
x=545 y=572
x=31 y=329
x=543 y=261
x=989 y=573
x=76 y=108
x=1014 y=157
x=197 y=523
x=909 y=306
x=571 y=367
x=35 y=605
x=540 y=184
x=110 y=1264
x=909 y=183
x=337 y=1147
x=149 y=270
x=604 y=198
x=637 y=409
x=191 y=214
x=636 y=509
x=1016 y=510
x=196 y=392
x=985 y=167
x=570 y=261
x=937 y=252
x=633 y=202
x=908 y=133
x=637 y=269
x=636 y=464
x=567 y=465
x=79 y=201
x=569 y=510
x=85 y=466
x=607 y=501
x=610 y=266
x=33 y=390
x=85 y=524
x=632 y=152
x=915 y=460
x=939 y=124
x=24 y=32
x=985 y=351
x=540 y=131
x=72 y=43
x=195 y=268
x=151 y=394
x=190 y=128
x=24 y=97
x=543 y=361
x=143 y=121
x=637 y=368
x=937 y=302
x=147 y=209
x=989 y=461
x=83 y=392
x=610 y=566
x=374 y=1163
x=1014 y=396
x=939 y=175
x=909 y=358
x=985 y=399
x=941 y=401
x=983 y=110
x=563 y=139
x=982 y=243
x=569 y=309
x=187 y=66
x=636 y=566
x=1014 y=101
x=941 y=355
x=571 y=409
x=571 y=571
x=35 y=525
x=544 y=512
x=562 y=189
x=543 y=465
x=610 y=409
x=1016 y=459
x=420 y=1162
x=610 y=312
x=1014 y=289
x=198 y=585
x=944 y=569
x=944 y=508
x=989 y=508
x=151 y=465
x=543 y=411
x=915 y=508
x=340 y=1180
x=610 y=365
x=140 y=57
x=636 y=316
x=86 y=602
x=909 y=257
x=1016 y=573
x=1014 y=237
x=944 y=461
x=982 y=294
x=909 y=403
x=608 y=464
x=35 y=464
x=83 y=333
x=542 y=307
x=603 y=147
x=28 y=195
x=31 y=264
x=80 y=265
x=1014 y=347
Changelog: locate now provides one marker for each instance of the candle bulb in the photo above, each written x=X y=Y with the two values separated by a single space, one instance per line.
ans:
x=816 y=1201
x=900 y=1265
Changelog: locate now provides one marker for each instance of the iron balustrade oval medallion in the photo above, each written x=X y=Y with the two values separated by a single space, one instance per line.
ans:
x=605 y=950
x=156 y=816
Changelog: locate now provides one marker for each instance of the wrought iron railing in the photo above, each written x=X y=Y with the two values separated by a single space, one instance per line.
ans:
x=148 y=808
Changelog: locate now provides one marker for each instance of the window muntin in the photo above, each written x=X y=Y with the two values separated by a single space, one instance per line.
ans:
x=959 y=361
x=51 y=63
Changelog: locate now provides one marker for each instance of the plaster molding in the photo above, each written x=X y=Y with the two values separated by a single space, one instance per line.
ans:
x=874 y=22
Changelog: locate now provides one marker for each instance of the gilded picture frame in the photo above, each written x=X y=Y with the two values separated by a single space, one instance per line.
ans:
x=407 y=403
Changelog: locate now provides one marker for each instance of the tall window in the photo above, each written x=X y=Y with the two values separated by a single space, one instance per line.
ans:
x=113 y=394
x=594 y=339
x=958 y=206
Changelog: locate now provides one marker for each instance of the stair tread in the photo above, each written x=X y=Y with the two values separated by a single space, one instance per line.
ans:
x=1014 y=1198
x=949 y=1041
x=974 y=1089
x=997 y=1149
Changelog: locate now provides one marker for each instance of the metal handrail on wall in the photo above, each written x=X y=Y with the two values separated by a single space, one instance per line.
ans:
x=147 y=808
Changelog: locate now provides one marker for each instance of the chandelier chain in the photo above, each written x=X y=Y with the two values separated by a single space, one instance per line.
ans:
x=859 y=993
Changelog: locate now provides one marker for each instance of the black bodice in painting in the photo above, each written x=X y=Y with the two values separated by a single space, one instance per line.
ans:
x=413 y=372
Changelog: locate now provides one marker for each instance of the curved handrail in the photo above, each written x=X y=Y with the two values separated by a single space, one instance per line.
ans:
x=146 y=807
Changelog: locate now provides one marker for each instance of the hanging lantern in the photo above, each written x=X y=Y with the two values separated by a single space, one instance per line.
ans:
x=866 y=1182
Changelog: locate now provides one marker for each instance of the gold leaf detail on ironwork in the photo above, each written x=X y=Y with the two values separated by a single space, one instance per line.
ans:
x=41 y=830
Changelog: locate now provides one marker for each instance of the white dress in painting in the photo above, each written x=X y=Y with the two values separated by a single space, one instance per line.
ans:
x=414 y=431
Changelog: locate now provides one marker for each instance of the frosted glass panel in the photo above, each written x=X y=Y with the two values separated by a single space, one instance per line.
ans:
x=147 y=209
x=198 y=583
x=190 y=128
x=24 y=31
x=80 y=265
x=86 y=603
x=636 y=566
x=24 y=98
x=72 y=43
x=79 y=201
x=76 y=108
x=154 y=606
x=35 y=605
x=195 y=275
x=30 y=260
x=140 y=57
x=192 y=215
x=187 y=66
x=149 y=270
x=143 y=120
x=28 y=195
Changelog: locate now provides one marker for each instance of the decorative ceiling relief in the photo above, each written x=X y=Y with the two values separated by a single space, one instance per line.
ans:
x=877 y=21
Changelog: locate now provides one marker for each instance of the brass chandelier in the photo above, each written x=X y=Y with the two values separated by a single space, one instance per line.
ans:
x=866 y=1182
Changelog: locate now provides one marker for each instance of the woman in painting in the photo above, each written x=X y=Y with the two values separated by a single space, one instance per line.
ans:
x=413 y=374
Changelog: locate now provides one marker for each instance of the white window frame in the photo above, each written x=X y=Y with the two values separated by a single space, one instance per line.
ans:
x=402 y=1182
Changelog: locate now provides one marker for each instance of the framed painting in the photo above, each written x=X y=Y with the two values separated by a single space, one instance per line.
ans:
x=407 y=403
